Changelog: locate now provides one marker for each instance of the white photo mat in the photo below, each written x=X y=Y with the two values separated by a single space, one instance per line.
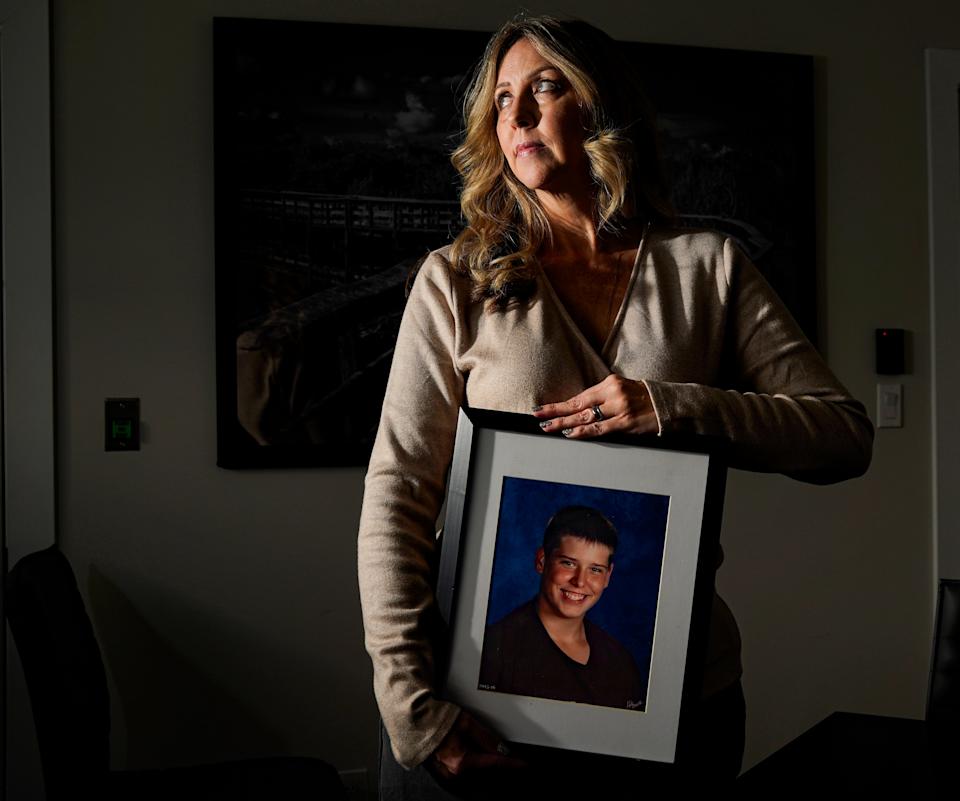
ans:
x=682 y=476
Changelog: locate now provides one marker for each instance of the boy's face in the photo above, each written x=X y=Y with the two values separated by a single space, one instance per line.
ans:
x=574 y=575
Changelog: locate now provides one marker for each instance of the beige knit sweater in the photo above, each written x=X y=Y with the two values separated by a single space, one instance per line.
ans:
x=719 y=355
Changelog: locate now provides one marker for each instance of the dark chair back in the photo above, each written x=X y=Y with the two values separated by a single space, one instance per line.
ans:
x=943 y=699
x=63 y=670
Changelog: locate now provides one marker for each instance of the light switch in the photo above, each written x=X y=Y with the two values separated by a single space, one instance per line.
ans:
x=889 y=405
x=122 y=424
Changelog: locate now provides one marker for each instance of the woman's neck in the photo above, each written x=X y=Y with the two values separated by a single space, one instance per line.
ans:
x=573 y=226
x=572 y=223
x=577 y=241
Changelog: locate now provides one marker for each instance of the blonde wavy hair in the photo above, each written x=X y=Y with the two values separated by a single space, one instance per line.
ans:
x=505 y=224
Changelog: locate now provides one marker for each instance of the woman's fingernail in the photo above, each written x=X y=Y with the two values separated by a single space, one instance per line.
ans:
x=537 y=408
x=544 y=423
x=567 y=432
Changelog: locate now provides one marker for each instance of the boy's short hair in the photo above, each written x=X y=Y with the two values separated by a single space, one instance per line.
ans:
x=582 y=522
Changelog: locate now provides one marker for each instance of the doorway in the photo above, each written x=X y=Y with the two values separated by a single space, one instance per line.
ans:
x=943 y=168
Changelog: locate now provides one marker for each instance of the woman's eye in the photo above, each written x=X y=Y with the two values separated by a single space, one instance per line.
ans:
x=502 y=100
x=545 y=85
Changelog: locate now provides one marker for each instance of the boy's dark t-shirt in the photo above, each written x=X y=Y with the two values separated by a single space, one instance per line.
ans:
x=520 y=658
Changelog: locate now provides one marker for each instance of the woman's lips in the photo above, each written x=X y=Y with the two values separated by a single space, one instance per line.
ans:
x=527 y=148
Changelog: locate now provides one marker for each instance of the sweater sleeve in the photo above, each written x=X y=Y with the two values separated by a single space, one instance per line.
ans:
x=783 y=410
x=403 y=494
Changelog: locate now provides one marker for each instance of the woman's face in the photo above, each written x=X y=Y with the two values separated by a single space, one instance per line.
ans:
x=539 y=123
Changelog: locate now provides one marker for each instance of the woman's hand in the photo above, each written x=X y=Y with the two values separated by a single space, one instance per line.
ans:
x=625 y=407
x=469 y=747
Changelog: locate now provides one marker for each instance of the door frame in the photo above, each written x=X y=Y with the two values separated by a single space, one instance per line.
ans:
x=943 y=171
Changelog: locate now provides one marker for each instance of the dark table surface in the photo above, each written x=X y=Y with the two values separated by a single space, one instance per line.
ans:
x=862 y=753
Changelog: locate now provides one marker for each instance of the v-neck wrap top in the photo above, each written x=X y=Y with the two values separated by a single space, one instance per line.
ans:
x=718 y=353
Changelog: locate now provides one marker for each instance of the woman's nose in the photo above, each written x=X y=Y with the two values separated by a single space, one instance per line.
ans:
x=522 y=112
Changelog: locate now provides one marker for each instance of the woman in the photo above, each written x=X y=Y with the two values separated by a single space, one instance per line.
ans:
x=569 y=294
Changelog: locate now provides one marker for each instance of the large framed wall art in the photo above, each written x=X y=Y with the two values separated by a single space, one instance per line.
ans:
x=333 y=179
x=619 y=534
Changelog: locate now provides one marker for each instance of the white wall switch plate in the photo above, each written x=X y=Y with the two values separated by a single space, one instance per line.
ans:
x=889 y=405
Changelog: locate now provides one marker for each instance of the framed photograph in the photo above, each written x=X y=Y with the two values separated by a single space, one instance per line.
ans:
x=576 y=579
